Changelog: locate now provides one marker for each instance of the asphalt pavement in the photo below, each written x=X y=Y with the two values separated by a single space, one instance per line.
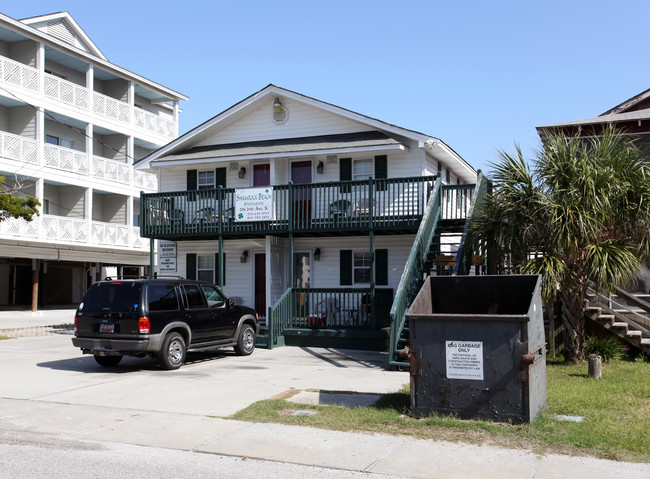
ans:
x=47 y=387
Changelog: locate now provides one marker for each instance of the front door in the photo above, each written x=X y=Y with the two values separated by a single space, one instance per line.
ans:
x=260 y=284
x=301 y=175
x=262 y=175
x=302 y=279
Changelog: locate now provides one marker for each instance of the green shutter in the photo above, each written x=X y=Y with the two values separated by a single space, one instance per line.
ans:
x=220 y=177
x=381 y=267
x=190 y=266
x=216 y=269
x=345 y=173
x=346 y=267
x=192 y=181
x=381 y=171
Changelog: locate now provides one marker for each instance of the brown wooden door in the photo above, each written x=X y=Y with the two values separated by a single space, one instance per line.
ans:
x=260 y=284
x=262 y=175
x=301 y=175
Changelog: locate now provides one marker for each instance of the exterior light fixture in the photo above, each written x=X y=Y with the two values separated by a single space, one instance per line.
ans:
x=242 y=172
x=319 y=168
x=277 y=106
x=317 y=254
x=244 y=257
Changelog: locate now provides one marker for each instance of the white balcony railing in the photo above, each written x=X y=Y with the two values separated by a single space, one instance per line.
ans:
x=25 y=77
x=25 y=150
x=18 y=75
x=60 y=229
x=18 y=148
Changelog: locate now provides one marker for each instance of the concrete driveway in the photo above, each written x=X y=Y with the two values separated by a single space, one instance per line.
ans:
x=48 y=388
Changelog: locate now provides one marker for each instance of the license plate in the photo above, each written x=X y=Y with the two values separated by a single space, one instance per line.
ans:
x=106 y=328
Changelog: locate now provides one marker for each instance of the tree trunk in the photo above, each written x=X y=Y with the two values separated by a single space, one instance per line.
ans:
x=572 y=313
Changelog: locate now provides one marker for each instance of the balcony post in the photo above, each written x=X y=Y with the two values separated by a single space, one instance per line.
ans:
x=371 y=237
x=90 y=84
x=40 y=66
x=152 y=262
x=290 y=225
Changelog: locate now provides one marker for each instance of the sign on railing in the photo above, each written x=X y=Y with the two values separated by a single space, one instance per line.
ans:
x=254 y=204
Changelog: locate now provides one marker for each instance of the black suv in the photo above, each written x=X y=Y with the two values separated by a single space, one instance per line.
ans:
x=162 y=318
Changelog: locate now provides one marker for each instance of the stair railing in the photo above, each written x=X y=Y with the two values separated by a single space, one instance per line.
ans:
x=466 y=250
x=412 y=277
x=279 y=318
x=607 y=304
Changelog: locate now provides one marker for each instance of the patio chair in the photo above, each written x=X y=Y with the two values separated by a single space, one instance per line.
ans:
x=177 y=219
x=340 y=209
x=204 y=215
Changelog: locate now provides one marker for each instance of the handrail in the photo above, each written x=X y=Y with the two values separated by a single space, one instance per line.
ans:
x=602 y=300
x=465 y=250
x=279 y=317
x=411 y=276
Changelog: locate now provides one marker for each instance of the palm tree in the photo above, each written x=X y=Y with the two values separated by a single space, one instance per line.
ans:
x=579 y=216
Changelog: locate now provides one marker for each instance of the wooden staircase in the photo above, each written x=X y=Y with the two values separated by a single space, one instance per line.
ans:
x=615 y=314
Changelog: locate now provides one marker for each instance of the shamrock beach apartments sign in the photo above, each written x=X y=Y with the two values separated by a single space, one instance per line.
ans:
x=254 y=204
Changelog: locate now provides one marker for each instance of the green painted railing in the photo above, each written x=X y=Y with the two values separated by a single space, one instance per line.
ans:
x=456 y=201
x=391 y=203
x=411 y=278
x=468 y=249
x=279 y=318
x=340 y=308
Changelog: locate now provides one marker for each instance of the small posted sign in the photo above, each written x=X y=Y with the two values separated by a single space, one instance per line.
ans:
x=465 y=360
x=254 y=204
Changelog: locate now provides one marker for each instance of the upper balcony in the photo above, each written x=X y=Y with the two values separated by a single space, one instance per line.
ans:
x=75 y=231
x=27 y=151
x=386 y=206
x=19 y=77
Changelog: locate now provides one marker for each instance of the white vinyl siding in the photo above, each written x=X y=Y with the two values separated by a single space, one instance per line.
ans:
x=304 y=120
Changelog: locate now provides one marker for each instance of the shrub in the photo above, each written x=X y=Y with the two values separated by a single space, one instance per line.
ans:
x=607 y=348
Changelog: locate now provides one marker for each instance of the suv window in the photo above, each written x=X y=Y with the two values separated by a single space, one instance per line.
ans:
x=194 y=296
x=112 y=296
x=162 y=297
x=214 y=297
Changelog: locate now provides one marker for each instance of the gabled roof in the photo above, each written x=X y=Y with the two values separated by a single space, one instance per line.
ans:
x=61 y=25
x=251 y=103
x=633 y=109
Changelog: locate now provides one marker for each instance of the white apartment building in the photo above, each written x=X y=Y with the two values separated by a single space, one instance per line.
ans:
x=71 y=126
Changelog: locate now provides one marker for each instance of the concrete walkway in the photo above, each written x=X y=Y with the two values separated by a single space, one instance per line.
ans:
x=52 y=389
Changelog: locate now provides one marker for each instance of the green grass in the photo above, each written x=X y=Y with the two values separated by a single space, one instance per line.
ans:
x=616 y=411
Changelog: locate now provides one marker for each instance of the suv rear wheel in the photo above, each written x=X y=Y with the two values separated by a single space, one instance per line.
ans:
x=246 y=341
x=108 y=361
x=172 y=353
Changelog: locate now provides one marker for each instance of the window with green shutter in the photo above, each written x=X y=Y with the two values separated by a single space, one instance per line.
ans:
x=345 y=173
x=346 y=267
x=192 y=180
x=190 y=266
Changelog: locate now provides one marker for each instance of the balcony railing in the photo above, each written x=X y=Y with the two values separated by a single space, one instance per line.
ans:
x=61 y=229
x=316 y=308
x=347 y=206
x=28 y=78
x=25 y=150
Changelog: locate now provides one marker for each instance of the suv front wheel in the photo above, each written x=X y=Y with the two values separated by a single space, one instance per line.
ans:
x=246 y=341
x=172 y=353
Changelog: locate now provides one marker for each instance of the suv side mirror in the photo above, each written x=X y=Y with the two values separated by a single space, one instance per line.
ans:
x=230 y=303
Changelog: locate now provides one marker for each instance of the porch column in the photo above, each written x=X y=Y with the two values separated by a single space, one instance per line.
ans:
x=221 y=265
x=176 y=113
x=40 y=66
x=36 y=266
x=90 y=84
x=371 y=238
x=152 y=258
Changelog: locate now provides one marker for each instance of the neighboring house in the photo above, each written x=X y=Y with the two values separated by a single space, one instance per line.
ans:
x=338 y=199
x=71 y=126
x=632 y=117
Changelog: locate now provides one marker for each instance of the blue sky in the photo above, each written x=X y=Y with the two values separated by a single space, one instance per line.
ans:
x=479 y=75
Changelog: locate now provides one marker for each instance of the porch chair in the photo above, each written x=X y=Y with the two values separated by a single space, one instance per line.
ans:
x=340 y=209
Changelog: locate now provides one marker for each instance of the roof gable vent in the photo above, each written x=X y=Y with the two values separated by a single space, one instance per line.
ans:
x=59 y=29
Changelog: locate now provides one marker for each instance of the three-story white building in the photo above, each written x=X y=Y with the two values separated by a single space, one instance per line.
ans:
x=71 y=126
